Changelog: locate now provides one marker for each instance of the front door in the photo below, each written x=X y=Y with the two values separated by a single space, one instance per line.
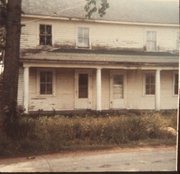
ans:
x=117 y=82
x=83 y=89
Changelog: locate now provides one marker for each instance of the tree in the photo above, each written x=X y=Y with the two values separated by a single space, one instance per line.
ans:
x=12 y=25
x=93 y=6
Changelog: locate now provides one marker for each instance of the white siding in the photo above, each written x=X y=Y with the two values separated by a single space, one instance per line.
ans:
x=116 y=36
x=134 y=91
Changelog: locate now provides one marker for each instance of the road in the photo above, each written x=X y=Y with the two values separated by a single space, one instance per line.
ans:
x=117 y=159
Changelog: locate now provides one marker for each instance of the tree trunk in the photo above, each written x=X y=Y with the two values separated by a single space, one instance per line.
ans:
x=11 y=62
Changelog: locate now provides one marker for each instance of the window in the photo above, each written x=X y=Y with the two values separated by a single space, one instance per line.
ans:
x=150 y=84
x=118 y=86
x=83 y=37
x=83 y=85
x=46 y=82
x=151 y=41
x=45 y=35
x=176 y=84
x=177 y=41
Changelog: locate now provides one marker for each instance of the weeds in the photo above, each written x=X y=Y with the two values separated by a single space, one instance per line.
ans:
x=52 y=134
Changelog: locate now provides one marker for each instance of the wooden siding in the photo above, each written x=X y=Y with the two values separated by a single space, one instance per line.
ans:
x=102 y=36
x=64 y=98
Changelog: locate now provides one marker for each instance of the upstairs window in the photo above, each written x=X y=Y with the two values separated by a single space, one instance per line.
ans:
x=151 y=41
x=150 y=84
x=46 y=82
x=83 y=37
x=45 y=35
x=177 y=41
x=176 y=84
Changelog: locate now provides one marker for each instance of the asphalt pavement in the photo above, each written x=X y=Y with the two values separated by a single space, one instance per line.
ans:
x=118 y=159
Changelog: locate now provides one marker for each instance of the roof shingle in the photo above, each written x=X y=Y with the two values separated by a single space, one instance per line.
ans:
x=141 y=11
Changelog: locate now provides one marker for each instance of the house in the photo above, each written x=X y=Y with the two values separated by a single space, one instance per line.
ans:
x=128 y=59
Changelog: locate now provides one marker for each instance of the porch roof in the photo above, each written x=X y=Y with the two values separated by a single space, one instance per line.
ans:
x=100 y=59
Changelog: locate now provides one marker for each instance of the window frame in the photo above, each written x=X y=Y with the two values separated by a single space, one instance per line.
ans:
x=149 y=41
x=144 y=84
x=178 y=41
x=39 y=83
x=45 y=35
x=174 y=82
x=82 y=45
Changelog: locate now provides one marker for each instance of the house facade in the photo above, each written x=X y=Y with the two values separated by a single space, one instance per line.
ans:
x=121 y=61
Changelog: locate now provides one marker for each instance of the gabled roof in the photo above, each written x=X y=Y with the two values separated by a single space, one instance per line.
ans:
x=138 y=11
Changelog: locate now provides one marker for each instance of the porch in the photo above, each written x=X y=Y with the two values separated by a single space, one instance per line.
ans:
x=97 y=88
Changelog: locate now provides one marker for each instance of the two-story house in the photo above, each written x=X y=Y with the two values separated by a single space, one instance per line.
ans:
x=128 y=59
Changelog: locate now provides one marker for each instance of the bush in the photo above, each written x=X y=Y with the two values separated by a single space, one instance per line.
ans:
x=51 y=134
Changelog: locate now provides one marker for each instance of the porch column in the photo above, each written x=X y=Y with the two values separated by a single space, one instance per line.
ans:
x=98 y=89
x=26 y=89
x=157 y=90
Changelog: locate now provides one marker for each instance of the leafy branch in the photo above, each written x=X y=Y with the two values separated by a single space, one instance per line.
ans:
x=93 y=6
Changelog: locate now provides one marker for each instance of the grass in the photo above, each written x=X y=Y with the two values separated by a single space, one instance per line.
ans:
x=63 y=133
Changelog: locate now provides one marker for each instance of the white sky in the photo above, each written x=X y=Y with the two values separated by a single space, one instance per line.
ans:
x=165 y=0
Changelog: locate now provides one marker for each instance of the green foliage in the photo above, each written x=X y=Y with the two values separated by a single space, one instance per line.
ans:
x=52 y=134
x=93 y=6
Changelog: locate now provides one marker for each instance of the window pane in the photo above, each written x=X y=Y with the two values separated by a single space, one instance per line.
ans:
x=42 y=29
x=48 y=40
x=42 y=40
x=80 y=40
x=48 y=29
x=118 y=79
x=49 y=89
x=86 y=42
x=42 y=77
x=49 y=77
x=86 y=33
x=42 y=88
x=83 y=85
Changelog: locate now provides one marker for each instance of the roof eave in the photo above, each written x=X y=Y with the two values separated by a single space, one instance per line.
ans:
x=95 y=21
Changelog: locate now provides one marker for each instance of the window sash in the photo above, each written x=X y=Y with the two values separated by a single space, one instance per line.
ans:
x=176 y=86
x=46 y=82
x=150 y=84
x=45 y=35
x=151 y=41
x=177 y=41
x=83 y=86
x=83 y=37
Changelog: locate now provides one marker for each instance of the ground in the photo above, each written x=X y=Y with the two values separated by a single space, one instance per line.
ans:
x=160 y=158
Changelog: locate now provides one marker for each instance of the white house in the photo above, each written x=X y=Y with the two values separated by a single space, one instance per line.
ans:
x=127 y=59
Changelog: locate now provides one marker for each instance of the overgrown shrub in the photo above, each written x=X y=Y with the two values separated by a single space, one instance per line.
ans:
x=50 y=134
